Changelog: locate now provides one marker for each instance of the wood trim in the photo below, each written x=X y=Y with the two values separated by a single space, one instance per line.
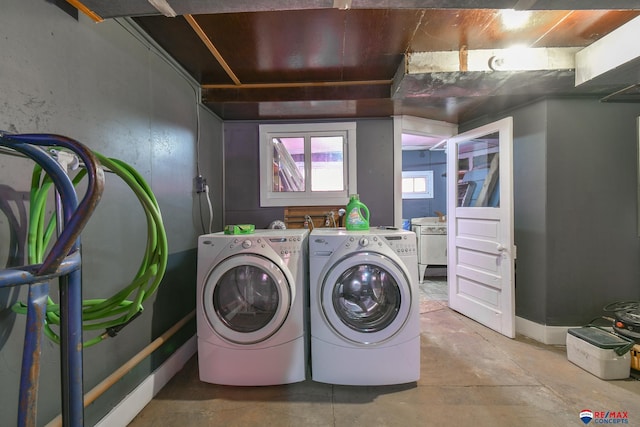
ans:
x=84 y=9
x=209 y=44
x=294 y=217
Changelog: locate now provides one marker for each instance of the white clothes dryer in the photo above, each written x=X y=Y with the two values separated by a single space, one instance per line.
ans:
x=251 y=307
x=364 y=306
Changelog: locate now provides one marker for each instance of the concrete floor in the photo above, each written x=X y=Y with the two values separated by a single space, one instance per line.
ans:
x=471 y=376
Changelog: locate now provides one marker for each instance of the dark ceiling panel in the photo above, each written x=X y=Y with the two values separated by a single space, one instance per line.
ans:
x=375 y=41
x=288 y=62
x=290 y=46
x=177 y=37
x=119 y=8
x=447 y=30
x=581 y=28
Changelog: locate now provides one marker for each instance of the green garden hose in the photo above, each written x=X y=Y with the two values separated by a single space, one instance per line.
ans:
x=110 y=314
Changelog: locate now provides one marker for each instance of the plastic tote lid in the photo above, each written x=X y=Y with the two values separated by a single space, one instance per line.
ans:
x=603 y=339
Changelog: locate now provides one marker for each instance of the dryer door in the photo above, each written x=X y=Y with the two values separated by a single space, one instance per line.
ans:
x=366 y=297
x=246 y=298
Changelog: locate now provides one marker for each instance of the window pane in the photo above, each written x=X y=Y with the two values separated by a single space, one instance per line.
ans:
x=407 y=185
x=288 y=164
x=327 y=163
x=479 y=172
x=419 y=185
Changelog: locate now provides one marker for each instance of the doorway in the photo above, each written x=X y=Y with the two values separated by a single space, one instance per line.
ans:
x=480 y=247
x=421 y=196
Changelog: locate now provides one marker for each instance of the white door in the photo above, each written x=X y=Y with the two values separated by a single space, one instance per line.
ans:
x=480 y=225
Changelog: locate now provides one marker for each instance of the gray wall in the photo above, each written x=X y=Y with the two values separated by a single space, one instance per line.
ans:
x=374 y=149
x=575 y=208
x=530 y=210
x=102 y=85
x=593 y=250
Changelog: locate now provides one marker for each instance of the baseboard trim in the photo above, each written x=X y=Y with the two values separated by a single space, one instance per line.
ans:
x=125 y=411
x=552 y=335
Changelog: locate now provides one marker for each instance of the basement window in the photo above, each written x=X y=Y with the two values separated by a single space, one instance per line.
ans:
x=417 y=184
x=307 y=164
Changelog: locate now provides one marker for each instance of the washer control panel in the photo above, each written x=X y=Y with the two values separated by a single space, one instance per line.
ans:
x=401 y=244
x=281 y=245
x=286 y=245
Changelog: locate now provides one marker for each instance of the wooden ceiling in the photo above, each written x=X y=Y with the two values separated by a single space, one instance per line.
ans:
x=327 y=62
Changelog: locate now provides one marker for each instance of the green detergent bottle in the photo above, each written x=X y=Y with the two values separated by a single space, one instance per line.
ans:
x=357 y=214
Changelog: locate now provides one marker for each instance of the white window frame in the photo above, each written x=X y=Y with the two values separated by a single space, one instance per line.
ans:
x=269 y=198
x=428 y=193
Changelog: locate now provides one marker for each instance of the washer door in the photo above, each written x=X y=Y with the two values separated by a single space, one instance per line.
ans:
x=246 y=298
x=366 y=298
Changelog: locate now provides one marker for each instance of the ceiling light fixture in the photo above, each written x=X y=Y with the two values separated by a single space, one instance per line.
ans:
x=163 y=7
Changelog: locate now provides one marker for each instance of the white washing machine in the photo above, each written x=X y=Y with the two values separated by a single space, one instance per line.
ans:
x=364 y=306
x=251 y=307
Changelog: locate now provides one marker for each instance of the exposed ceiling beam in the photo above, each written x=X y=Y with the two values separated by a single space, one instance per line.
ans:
x=119 y=8
x=282 y=92
x=525 y=59
x=474 y=84
x=525 y=73
x=612 y=58
x=163 y=7
x=525 y=4
x=84 y=9
x=286 y=85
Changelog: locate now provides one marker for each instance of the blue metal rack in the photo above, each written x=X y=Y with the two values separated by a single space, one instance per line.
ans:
x=63 y=262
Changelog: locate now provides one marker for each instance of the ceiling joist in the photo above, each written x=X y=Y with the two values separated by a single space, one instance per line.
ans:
x=286 y=85
x=211 y=47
